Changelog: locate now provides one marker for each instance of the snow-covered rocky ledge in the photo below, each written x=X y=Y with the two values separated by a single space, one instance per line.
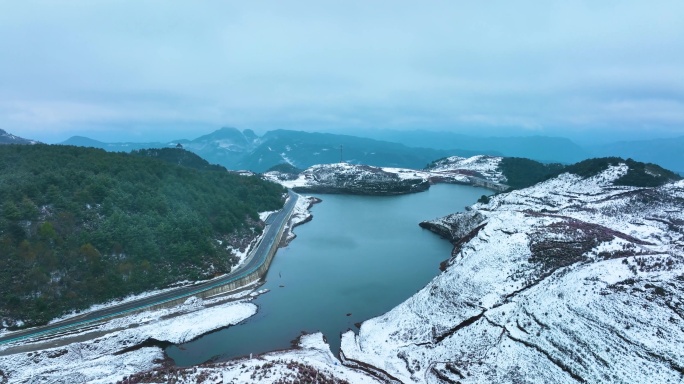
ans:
x=570 y=281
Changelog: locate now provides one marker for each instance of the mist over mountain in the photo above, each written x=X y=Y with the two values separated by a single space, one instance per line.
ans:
x=540 y=148
x=226 y=146
x=668 y=153
x=304 y=149
x=237 y=149
x=81 y=141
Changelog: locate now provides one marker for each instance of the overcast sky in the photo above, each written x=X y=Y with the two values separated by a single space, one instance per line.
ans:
x=159 y=70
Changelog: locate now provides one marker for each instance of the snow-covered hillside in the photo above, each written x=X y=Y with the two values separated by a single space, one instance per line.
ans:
x=486 y=167
x=362 y=179
x=352 y=179
x=572 y=280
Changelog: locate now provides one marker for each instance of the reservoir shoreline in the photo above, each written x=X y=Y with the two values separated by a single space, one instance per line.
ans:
x=362 y=256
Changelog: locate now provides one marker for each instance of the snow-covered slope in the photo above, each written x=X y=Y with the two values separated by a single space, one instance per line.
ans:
x=486 y=167
x=572 y=280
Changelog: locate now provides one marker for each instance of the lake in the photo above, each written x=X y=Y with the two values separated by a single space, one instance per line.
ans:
x=359 y=257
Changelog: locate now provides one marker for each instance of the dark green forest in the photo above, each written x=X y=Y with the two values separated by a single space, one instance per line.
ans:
x=80 y=226
x=522 y=173
x=178 y=156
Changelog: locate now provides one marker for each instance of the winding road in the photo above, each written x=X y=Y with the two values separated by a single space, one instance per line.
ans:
x=270 y=239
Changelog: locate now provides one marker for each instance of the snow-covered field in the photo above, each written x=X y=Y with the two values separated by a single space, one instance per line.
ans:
x=486 y=166
x=572 y=280
x=458 y=169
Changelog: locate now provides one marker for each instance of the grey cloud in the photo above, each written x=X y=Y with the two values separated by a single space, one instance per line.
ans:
x=536 y=65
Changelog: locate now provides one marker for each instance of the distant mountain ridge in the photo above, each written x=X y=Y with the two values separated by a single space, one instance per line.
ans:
x=304 y=149
x=668 y=153
x=81 y=141
x=540 y=148
x=237 y=149
x=226 y=146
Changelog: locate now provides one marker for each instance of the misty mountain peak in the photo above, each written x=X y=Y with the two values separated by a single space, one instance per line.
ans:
x=230 y=134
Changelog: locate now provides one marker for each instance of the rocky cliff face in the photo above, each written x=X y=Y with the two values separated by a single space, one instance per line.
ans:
x=352 y=179
x=574 y=280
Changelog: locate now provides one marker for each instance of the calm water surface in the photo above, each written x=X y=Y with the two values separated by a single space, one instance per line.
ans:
x=360 y=255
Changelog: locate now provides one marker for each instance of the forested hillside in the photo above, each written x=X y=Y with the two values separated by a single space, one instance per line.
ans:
x=638 y=175
x=178 y=156
x=80 y=225
x=522 y=173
